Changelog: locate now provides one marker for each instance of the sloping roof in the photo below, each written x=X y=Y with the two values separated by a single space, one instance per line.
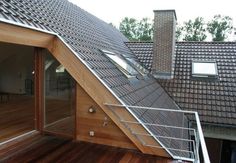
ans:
x=214 y=100
x=144 y=52
x=86 y=34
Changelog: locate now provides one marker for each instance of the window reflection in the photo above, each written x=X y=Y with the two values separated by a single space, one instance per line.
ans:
x=138 y=66
x=121 y=63
x=59 y=97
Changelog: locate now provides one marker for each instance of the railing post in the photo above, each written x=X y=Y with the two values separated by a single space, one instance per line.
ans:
x=202 y=140
x=197 y=146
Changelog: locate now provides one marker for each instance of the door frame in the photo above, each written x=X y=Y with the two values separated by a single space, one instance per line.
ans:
x=39 y=89
x=40 y=95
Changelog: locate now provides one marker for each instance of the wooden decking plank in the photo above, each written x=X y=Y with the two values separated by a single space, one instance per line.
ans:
x=127 y=157
x=93 y=154
x=29 y=147
x=80 y=149
x=54 y=155
x=45 y=149
x=11 y=147
x=108 y=156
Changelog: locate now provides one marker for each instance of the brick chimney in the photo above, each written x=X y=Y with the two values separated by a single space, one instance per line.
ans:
x=164 y=44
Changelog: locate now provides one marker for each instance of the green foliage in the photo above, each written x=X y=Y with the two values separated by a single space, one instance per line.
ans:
x=136 y=30
x=145 y=30
x=219 y=27
x=194 y=30
x=128 y=27
x=178 y=32
x=234 y=36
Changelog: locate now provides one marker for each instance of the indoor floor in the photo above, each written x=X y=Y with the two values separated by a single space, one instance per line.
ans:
x=17 y=116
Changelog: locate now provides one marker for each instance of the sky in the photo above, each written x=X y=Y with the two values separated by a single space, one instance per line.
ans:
x=112 y=11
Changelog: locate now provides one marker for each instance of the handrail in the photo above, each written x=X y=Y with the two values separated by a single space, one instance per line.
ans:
x=199 y=128
x=152 y=124
x=173 y=149
x=202 y=140
x=150 y=108
x=160 y=136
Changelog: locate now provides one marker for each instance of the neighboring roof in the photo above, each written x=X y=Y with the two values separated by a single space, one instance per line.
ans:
x=86 y=35
x=215 y=100
x=144 y=52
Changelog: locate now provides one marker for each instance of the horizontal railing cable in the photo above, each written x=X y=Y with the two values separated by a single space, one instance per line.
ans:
x=193 y=147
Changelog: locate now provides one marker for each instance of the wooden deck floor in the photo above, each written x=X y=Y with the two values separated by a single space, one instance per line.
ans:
x=43 y=149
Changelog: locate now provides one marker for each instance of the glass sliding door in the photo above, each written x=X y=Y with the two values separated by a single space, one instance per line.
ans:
x=59 y=89
x=17 y=95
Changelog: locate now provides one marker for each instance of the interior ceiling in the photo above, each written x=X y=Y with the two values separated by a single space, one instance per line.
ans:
x=7 y=50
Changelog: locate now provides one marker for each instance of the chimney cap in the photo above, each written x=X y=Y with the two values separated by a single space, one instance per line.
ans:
x=155 y=11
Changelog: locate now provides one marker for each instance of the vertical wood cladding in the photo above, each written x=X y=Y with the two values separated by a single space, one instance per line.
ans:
x=105 y=131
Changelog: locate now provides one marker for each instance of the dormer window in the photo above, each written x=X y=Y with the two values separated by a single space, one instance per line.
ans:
x=121 y=63
x=204 y=69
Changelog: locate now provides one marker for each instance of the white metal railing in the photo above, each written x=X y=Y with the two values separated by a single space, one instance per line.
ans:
x=188 y=145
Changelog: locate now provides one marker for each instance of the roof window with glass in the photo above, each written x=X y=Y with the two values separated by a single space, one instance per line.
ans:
x=121 y=64
x=204 y=69
x=138 y=66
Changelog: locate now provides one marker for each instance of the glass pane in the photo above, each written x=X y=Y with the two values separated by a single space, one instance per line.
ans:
x=59 y=97
x=140 y=68
x=17 y=102
x=122 y=63
x=205 y=68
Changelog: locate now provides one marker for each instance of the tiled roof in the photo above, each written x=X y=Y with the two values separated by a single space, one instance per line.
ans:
x=144 y=52
x=86 y=34
x=215 y=100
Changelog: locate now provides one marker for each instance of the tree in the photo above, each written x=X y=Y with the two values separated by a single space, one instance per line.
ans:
x=128 y=27
x=137 y=30
x=178 y=32
x=145 y=30
x=234 y=36
x=194 y=30
x=220 y=27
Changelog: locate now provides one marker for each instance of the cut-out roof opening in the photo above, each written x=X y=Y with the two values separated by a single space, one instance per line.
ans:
x=204 y=69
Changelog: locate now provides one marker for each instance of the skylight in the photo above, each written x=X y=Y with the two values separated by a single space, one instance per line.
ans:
x=204 y=69
x=121 y=63
x=138 y=66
